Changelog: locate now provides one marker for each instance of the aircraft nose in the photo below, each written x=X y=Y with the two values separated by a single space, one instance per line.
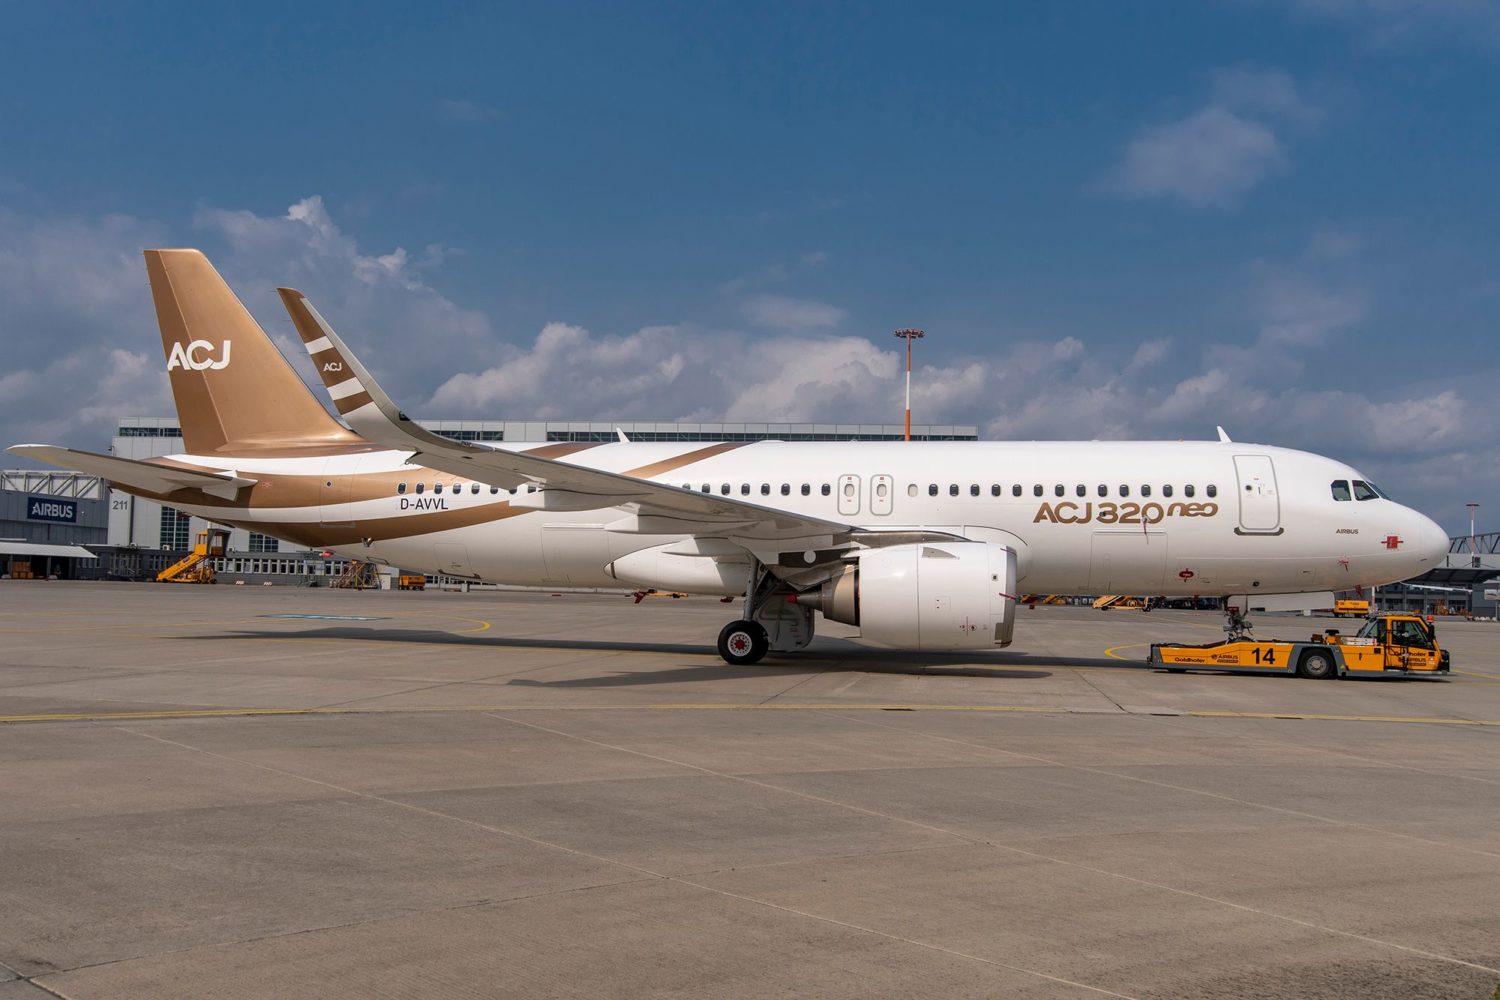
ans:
x=1429 y=541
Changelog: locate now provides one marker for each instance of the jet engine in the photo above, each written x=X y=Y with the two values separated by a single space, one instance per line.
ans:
x=933 y=595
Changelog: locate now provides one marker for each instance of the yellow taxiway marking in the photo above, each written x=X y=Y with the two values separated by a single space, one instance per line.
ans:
x=1110 y=652
x=224 y=713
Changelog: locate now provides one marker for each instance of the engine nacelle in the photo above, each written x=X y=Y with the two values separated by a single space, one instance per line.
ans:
x=933 y=595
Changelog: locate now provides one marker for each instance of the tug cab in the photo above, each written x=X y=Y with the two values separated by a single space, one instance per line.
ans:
x=1391 y=645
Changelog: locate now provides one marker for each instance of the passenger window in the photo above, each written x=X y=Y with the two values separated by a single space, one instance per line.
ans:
x=1145 y=491
x=1015 y=490
x=765 y=489
x=974 y=490
x=1058 y=490
x=1103 y=490
x=744 y=489
x=1166 y=491
x=786 y=489
x=1188 y=491
x=881 y=491
x=995 y=490
x=1213 y=490
x=1081 y=490
x=849 y=491
x=495 y=490
x=911 y=490
x=437 y=488
x=474 y=488
x=1362 y=491
x=421 y=487
x=724 y=489
x=953 y=489
x=1340 y=488
x=1124 y=490
x=827 y=489
x=932 y=489
x=1036 y=490
x=707 y=488
x=806 y=490
x=400 y=487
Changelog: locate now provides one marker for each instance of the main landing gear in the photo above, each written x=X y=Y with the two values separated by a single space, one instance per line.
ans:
x=770 y=621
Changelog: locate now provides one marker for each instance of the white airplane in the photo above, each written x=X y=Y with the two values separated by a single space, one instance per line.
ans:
x=921 y=545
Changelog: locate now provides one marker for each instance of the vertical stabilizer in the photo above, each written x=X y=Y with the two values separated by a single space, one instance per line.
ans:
x=235 y=393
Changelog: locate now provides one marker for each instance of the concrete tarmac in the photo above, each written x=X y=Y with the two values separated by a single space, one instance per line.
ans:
x=522 y=795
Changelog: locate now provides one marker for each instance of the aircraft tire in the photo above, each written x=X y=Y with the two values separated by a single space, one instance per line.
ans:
x=1317 y=665
x=742 y=643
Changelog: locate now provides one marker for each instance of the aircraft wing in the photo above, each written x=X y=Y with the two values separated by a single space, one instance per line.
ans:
x=656 y=508
x=147 y=476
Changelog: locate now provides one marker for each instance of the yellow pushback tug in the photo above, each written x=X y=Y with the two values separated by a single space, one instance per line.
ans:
x=1386 y=646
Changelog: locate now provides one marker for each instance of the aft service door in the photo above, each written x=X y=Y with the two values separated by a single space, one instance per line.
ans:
x=1260 y=507
x=848 y=495
x=882 y=490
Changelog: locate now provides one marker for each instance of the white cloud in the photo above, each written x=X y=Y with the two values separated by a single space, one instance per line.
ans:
x=1405 y=23
x=780 y=312
x=1216 y=155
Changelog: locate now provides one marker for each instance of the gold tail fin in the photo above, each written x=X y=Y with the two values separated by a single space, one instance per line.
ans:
x=235 y=393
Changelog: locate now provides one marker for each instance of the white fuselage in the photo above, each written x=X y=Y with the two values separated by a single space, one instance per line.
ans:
x=1169 y=518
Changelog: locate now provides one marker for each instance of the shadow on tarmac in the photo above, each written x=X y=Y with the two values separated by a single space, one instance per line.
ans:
x=823 y=655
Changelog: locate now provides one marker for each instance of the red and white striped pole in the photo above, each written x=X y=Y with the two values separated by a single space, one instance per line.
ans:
x=909 y=336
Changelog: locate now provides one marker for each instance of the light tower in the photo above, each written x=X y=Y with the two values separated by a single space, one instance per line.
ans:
x=909 y=336
x=1473 y=549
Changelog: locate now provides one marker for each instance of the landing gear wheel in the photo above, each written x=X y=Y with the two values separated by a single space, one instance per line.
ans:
x=1317 y=665
x=743 y=643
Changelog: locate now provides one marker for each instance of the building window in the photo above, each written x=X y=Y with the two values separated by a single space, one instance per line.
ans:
x=261 y=543
x=174 y=529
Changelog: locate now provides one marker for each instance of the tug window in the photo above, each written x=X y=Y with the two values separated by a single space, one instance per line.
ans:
x=1015 y=490
x=1188 y=491
x=932 y=489
x=400 y=487
x=1213 y=490
x=1059 y=490
x=1363 y=491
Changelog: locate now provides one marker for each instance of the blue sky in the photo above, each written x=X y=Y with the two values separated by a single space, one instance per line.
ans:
x=1114 y=220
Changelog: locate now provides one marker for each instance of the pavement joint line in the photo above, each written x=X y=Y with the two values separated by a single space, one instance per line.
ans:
x=1011 y=848
x=651 y=874
x=1181 y=788
x=773 y=706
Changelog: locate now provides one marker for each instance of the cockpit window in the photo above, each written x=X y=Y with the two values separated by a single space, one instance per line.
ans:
x=1340 y=489
x=1364 y=491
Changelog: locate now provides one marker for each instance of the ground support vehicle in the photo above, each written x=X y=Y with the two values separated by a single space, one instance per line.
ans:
x=196 y=566
x=1351 y=607
x=1386 y=646
x=411 y=582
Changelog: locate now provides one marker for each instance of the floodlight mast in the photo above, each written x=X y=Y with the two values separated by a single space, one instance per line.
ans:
x=909 y=335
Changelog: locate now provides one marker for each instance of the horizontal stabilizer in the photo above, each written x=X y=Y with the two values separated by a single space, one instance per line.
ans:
x=146 y=476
